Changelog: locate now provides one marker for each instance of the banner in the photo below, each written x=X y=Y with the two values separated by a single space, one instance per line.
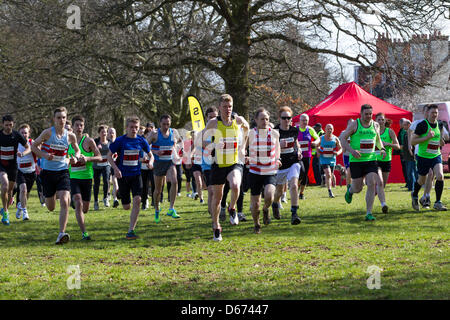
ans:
x=198 y=123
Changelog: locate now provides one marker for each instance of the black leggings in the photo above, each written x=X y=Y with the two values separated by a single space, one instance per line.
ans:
x=147 y=178
x=304 y=174
x=240 y=200
x=105 y=173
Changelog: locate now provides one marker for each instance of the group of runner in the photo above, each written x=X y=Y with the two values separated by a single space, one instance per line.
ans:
x=227 y=155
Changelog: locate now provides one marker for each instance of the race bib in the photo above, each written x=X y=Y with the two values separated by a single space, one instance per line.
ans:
x=366 y=145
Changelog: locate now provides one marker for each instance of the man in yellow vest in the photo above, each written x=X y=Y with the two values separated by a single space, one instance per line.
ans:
x=224 y=131
x=364 y=135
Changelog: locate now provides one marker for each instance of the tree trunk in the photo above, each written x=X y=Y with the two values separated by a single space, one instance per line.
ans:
x=236 y=75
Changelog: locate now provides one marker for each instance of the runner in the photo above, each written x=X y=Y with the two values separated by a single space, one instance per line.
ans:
x=329 y=148
x=9 y=144
x=165 y=145
x=197 y=165
x=207 y=160
x=128 y=169
x=307 y=139
x=364 y=136
x=81 y=172
x=26 y=175
x=146 y=160
x=346 y=157
x=390 y=142
x=102 y=168
x=111 y=138
x=289 y=171
x=225 y=130
x=428 y=136
x=55 y=174
x=264 y=158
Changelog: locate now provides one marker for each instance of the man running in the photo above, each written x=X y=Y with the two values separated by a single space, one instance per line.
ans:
x=290 y=167
x=428 y=136
x=26 y=175
x=102 y=168
x=264 y=159
x=307 y=139
x=364 y=135
x=226 y=130
x=55 y=178
x=128 y=169
x=389 y=139
x=81 y=172
x=329 y=148
x=115 y=186
x=9 y=143
x=165 y=145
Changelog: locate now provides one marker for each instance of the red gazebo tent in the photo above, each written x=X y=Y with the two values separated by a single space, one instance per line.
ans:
x=345 y=103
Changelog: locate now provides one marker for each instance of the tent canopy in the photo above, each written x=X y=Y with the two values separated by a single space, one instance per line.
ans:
x=345 y=103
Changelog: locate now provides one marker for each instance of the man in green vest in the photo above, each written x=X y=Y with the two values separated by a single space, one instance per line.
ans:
x=81 y=172
x=364 y=135
x=428 y=135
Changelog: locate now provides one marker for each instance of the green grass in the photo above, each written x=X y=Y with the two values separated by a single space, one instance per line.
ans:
x=325 y=257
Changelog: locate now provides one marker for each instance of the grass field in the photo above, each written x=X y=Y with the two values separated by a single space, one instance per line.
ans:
x=325 y=257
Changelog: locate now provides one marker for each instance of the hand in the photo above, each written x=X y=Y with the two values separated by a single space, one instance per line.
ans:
x=279 y=163
x=49 y=156
x=411 y=152
x=430 y=134
x=72 y=160
x=117 y=173
x=19 y=154
x=356 y=154
x=82 y=159
x=300 y=156
x=383 y=154
x=150 y=165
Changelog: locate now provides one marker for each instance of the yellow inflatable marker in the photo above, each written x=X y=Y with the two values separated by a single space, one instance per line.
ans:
x=198 y=123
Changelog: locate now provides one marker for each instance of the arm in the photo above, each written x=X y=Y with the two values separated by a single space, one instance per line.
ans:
x=395 y=144
x=36 y=145
x=242 y=122
x=276 y=137
x=93 y=147
x=111 y=161
x=378 y=141
x=208 y=132
x=73 y=142
x=351 y=129
x=338 y=147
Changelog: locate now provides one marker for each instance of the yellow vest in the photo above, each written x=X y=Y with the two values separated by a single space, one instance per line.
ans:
x=226 y=140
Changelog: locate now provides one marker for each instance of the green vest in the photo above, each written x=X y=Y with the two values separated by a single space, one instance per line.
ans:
x=385 y=137
x=363 y=140
x=313 y=149
x=81 y=171
x=430 y=148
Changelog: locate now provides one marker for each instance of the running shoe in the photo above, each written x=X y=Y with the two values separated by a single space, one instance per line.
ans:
x=96 y=207
x=5 y=217
x=385 y=209
x=276 y=211
x=178 y=194
x=157 y=217
x=19 y=211
x=106 y=202
x=188 y=195
x=234 y=219
x=295 y=219
x=62 y=238
x=202 y=201
x=257 y=229
x=439 y=206
x=222 y=215
x=284 y=198
x=195 y=196
x=330 y=194
x=241 y=217
x=415 y=202
x=370 y=217
x=280 y=206
x=266 y=218
x=25 y=214
x=217 y=234
x=116 y=203
x=301 y=196
x=348 y=195
x=173 y=214
x=131 y=235
x=425 y=202
x=86 y=236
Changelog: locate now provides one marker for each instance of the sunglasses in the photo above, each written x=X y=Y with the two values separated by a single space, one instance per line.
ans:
x=286 y=118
